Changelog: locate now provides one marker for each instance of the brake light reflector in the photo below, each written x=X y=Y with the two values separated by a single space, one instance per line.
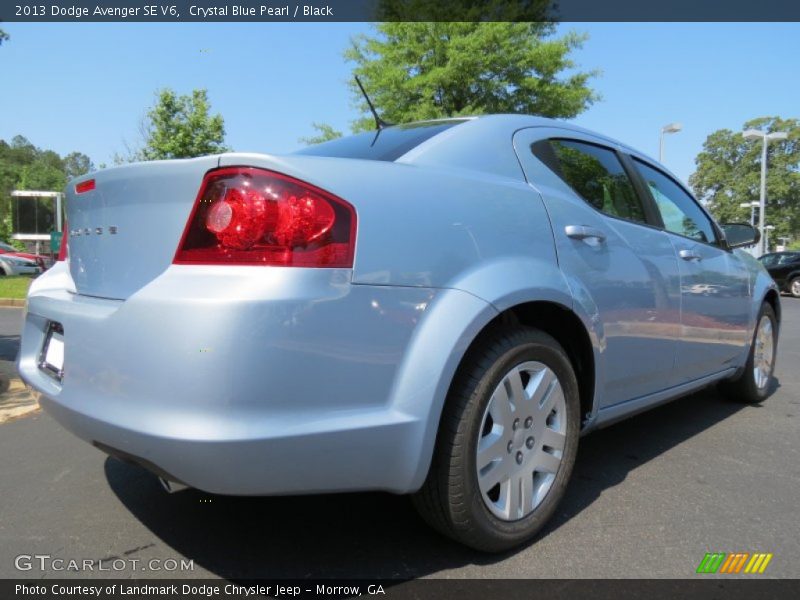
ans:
x=250 y=216
x=84 y=186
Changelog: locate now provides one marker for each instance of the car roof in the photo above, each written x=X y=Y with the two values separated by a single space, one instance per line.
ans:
x=481 y=142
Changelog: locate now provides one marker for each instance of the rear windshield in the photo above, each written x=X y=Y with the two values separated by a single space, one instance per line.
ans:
x=386 y=144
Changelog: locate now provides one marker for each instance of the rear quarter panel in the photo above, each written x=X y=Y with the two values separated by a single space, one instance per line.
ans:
x=484 y=235
x=432 y=226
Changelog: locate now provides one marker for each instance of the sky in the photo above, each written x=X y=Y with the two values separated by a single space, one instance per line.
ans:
x=87 y=86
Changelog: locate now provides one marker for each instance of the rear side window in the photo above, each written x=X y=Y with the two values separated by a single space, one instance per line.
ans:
x=595 y=174
x=386 y=144
x=769 y=260
x=679 y=211
x=786 y=259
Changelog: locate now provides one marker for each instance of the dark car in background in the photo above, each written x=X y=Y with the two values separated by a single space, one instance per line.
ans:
x=785 y=270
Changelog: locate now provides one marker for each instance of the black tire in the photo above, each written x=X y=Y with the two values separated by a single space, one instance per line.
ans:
x=744 y=388
x=450 y=499
x=794 y=287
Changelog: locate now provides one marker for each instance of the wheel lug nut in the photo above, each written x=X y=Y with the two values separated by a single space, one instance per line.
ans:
x=529 y=443
x=519 y=458
x=528 y=422
x=510 y=447
x=515 y=426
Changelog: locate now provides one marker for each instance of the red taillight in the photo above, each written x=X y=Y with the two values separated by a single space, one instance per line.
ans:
x=250 y=216
x=84 y=186
x=62 y=248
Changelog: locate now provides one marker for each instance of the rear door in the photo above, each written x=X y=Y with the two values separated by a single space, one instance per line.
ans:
x=715 y=285
x=621 y=269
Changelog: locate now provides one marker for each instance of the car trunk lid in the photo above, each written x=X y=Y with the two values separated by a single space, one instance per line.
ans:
x=124 y=232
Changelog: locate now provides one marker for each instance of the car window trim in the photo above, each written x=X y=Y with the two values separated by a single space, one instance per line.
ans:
x=651 y=222
x=642 y=189
x=720 y=242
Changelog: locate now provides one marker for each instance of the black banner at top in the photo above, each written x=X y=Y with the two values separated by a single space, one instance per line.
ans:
x=173 y=11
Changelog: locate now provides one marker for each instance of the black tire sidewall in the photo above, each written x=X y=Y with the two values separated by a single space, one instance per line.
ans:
x=527 y=345
x=751 y=391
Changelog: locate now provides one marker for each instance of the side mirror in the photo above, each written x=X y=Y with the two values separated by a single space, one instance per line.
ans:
x=740 y=234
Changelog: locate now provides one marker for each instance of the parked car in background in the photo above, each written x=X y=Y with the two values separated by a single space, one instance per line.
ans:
x=16 y=265
x=438 y=308
x=43 y=261
x=785 y=270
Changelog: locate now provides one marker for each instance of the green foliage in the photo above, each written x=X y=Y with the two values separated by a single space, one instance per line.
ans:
x=729 y=174
x=325 y=133
x=181 y=127
x=23 y=166
x=417 y=71
x=4 y=37
x=15 y=286
x=77 y=164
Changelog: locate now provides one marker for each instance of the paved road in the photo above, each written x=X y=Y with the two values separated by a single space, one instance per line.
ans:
x=649 y=497
x=10 y=325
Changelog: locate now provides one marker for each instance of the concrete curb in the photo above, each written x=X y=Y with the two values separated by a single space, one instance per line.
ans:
x=16 y=398
x=12 y=302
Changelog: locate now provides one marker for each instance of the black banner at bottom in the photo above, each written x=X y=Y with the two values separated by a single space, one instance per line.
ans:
x=707 y=588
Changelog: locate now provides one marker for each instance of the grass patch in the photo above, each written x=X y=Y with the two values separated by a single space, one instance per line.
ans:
x=15 y=286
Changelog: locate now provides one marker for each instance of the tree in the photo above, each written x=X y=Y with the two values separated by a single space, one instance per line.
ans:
x=181 y=127
x=415 y=71
x=729 y=174
x=4 y=37
x=76 y=164
x=325 y=133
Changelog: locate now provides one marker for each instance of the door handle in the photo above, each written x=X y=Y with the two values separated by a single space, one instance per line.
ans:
x=689 y=255
x=584 y=232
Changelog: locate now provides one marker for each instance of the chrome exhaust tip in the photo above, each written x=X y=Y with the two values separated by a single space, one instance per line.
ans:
x=172 y=486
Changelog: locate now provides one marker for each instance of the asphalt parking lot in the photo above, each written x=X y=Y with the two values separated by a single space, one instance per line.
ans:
x=649 y=497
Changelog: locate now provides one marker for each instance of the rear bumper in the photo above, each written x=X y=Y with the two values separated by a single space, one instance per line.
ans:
x=200 y=376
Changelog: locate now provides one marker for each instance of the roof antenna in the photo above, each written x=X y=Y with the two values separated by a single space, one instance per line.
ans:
x=379 y=123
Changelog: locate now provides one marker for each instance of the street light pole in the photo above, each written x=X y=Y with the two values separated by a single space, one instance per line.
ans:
x=751 y=134
x=762 y=198
x=752 y=207
x=671 y=128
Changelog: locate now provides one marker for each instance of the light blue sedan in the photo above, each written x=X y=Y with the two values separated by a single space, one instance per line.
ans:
x=439 y=309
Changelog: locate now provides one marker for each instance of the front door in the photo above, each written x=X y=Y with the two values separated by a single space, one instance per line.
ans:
x=715 y=288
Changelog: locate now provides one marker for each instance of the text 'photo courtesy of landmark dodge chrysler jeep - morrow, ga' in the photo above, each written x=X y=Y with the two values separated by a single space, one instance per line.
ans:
x=438 y=308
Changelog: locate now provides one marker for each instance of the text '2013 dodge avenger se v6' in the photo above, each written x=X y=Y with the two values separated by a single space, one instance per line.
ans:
x=440 y=308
